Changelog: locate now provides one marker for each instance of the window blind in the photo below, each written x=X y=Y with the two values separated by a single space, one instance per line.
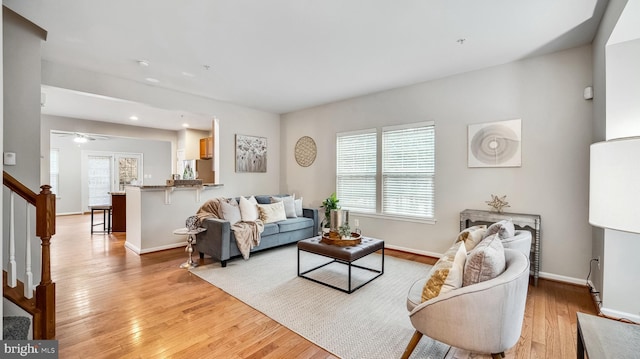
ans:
x=408 y=170
x=356 y=170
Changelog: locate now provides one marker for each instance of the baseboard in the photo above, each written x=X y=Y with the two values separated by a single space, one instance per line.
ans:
x=68 y=213
x=139 y=251
x=413 y=251
x=615 y=314
x=545 y=275
x=562 y=278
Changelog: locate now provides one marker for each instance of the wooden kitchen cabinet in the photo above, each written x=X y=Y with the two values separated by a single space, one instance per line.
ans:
x=206 y=148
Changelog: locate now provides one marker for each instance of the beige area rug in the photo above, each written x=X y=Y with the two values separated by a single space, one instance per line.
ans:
x=370 y=323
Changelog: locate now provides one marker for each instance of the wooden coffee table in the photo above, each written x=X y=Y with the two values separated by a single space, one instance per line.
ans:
x=345 y=255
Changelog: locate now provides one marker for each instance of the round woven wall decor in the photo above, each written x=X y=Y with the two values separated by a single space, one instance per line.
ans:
x=305 y=151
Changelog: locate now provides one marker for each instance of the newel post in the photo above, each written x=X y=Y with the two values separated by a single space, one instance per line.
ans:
x=46 y=290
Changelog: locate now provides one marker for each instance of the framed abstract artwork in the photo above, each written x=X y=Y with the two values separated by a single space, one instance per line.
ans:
x=251 y=153
x=495 y=144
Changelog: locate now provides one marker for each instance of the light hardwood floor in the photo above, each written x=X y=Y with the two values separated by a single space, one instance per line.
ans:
x=112 y=303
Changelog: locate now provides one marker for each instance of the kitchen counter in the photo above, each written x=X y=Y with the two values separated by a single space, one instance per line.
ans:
x=154 y=212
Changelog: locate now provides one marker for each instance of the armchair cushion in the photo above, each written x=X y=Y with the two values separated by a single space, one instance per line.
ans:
x=504 y=228
x=472 y=236
x=446 y=274
x=486 y=261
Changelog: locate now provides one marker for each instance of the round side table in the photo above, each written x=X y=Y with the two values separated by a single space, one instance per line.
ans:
x=191 y=238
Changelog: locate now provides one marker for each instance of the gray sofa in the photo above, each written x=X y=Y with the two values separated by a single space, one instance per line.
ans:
x=219 y=242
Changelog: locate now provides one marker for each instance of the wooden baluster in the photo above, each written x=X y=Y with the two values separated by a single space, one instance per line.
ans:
x=46 y=290
x=12 y=271
x=28 y=275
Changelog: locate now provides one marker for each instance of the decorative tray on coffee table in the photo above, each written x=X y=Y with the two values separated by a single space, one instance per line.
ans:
x=335 y=239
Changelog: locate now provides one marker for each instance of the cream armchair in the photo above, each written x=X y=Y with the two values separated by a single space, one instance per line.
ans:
x=483 y=318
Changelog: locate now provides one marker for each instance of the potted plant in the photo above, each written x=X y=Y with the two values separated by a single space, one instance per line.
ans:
x=330 y=203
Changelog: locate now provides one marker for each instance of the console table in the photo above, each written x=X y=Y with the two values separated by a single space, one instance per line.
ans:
x=606 y=338
x=528 y=222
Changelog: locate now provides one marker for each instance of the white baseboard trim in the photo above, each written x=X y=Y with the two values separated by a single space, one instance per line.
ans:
x=68 y=213
x=545 y=275
x=135 y=249
x=562 y=278
x=414 y=251
x=620 y=315
x=139 y=251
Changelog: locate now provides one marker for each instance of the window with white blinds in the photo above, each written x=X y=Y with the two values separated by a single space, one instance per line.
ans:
x=408 y=170
x=356 y=170
x=54 y=170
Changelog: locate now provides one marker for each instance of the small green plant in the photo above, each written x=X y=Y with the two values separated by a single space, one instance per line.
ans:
x=345 y=230
x=328 y=204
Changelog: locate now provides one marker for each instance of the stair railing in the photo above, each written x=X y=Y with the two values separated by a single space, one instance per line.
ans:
x=43 y=306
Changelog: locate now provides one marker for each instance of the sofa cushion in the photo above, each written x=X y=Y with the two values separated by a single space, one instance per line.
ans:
x=248 y=209
x=262 y=199
x=446 y=274
x=298 y=205
x=504 y=228
x=289 y=205
x=293 y=224
x=486 y=261
x=472 y=236
x=231 y=212
x=272 y=212
x=269 y=229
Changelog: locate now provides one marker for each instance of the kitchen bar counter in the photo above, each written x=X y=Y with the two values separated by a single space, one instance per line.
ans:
x=154 y=212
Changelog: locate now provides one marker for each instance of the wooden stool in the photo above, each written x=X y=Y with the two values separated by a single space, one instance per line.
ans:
x=106 y=218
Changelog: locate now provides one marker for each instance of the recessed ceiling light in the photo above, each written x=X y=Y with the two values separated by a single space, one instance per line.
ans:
x=185 y=125
x=144 y=63
x=188 y=74
x=151 y=79
x=80 y=139
x=133 y=118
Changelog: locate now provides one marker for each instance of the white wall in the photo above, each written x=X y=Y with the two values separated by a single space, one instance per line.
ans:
x=621 y=270
x=1 y=129
x=156 y=165
x=623 y=89
x=21 y=128
x=233 y=119
x=606 y=27
x=545 y=92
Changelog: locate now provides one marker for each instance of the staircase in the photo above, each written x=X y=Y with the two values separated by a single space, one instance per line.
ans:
x=39 y=303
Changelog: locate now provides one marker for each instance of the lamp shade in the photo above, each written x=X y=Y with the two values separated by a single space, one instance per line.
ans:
x=614 y=189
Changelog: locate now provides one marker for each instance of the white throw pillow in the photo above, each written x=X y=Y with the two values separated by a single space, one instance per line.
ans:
x=289 y=207
x=248 y=209
x=230 y=212
x=273 y=212
x=446 y=274
x=298 y=204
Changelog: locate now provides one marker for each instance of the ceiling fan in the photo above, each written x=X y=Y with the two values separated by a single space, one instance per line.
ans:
x=79 y=137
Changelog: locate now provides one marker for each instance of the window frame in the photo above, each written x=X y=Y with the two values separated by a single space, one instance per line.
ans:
x=379 y=199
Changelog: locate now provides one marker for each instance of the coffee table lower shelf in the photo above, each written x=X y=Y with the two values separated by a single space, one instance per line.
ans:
x=342 y=255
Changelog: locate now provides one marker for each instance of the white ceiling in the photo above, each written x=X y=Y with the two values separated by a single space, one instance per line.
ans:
x=285 y=55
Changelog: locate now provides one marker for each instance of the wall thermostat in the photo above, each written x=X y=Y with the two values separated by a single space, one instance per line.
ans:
x=9 y=158
x=588 y=93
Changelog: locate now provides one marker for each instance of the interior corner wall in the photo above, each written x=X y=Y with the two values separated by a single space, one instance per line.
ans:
x=233 y=119
x=1 y=129
x=607 y=24
x=545 y=92
x=22 y=98
x=621 y=270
